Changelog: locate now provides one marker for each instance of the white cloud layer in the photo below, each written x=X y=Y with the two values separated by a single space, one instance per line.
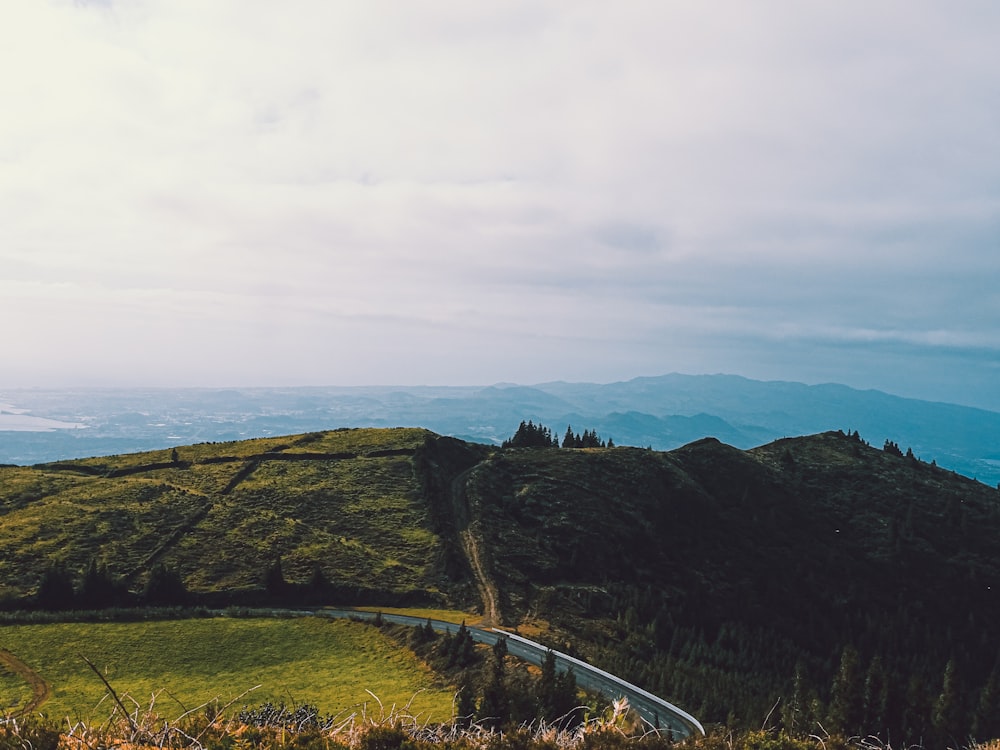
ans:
x=240 y=192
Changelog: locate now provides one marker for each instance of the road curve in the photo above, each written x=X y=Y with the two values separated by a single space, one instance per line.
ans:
x=656 y=712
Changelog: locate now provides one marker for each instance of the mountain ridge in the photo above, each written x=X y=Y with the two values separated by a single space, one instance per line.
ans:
x=662 y=412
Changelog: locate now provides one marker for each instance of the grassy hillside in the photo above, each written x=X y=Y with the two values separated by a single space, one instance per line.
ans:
x=348 y=503
x=187 y=663
x=849 y=585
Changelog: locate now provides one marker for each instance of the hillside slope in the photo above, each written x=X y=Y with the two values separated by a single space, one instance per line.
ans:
x=348 y=503
x=724 y=580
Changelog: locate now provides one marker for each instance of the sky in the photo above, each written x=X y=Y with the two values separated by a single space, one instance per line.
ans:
x=315 y=192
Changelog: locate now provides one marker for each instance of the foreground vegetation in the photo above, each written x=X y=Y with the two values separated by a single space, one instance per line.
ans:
x=278 y=728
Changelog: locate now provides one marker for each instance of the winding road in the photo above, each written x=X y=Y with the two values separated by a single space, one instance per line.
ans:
x=656 y=712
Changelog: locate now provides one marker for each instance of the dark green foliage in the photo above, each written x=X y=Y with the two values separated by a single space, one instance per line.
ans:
x=875 y=701
x=422 y=634
x=274 y=580
x=460 y=650
x=530 y=435
x=588 y=439
x=494 y=703
x=986 y=719
x=846 y=696
x=164 y=587
x=556 y=693
x=318 y=582
x=99 y=589
x=948 y=717
x=55 y=592
x=892 y=448
x=465 y=707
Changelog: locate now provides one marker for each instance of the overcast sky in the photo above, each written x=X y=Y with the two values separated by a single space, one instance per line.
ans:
x=239 y=192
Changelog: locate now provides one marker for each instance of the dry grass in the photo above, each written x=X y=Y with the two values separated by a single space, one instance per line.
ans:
x=374 y=726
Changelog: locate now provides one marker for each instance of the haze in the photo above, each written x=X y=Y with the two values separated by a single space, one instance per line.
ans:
x=250 y=193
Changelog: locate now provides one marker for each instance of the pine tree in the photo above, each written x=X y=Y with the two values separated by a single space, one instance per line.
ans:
x=793 y=710
x=546 y=688
x=465 y=701
x=461 y=649
x=876 y=699
x=164 y=587
x=986 y=719
x=845 y=695
x=274 y=580
x=565 y=700
x=494 y=705
x=946 y=717
x=98 y=589
x=568 y=440
x=55 y=592
x=318 y=581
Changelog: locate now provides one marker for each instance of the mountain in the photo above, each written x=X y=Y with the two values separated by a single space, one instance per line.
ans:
x=727 y=580
x=658 y=412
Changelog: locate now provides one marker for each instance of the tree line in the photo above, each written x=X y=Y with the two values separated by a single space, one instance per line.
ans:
x=492 y=691
x=530 y=435
x=97 y=588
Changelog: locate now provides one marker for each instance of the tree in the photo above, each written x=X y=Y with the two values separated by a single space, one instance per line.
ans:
x=494 y=705
x=986 y=719
x=55 y=591
x=164 y=587
x=465 y=701
x=545 y=692
x=274 y=580
x=793 y=709
x=876 y=698
x=846 y=695
x=530 y=435
x=98 y=589
x=564 y=700
x=892 y=448
x=569 y=439
x=423 y=634
x=461 y=649
x=318 y=582
x=946 y=717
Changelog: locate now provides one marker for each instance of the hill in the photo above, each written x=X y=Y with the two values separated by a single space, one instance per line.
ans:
x=852 y=585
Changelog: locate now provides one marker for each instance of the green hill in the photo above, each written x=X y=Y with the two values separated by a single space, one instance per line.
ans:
x=350 y=504
x=842 y=582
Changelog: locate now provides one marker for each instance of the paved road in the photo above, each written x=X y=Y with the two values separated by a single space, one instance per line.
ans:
x=654 y=711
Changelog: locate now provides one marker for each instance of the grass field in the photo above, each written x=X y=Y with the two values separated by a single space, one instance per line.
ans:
x=185 y=663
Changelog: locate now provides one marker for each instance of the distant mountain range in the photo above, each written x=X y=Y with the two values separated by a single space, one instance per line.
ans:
x=659 y=412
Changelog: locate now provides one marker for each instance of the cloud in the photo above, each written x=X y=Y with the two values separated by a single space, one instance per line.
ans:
x=503 y=191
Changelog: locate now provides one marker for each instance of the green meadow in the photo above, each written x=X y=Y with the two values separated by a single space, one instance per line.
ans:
x=181 y=664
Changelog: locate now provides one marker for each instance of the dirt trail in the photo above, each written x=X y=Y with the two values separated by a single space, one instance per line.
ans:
x=40 y=690
x=488 y=591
